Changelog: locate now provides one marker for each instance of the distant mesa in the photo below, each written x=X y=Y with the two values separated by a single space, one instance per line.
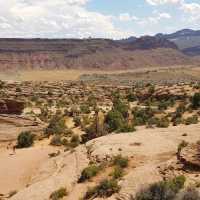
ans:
x=160 y=50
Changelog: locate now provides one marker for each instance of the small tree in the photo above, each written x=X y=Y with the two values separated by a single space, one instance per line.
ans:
x=56 y=126
x=196 y=101
x=25 y=139
x=114 y=120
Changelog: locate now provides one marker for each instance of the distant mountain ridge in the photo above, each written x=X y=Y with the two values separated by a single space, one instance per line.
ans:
x=187 y=40
x=146 y=51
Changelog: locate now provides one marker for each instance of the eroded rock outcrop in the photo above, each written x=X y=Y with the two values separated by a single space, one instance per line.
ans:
x=11 y=106
x=190 y=156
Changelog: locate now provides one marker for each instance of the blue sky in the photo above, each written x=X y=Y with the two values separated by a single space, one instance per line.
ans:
x=96 y=18
x=177 y=18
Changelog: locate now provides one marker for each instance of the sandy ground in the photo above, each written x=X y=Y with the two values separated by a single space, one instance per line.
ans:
x=70 y=74
x=17 y=169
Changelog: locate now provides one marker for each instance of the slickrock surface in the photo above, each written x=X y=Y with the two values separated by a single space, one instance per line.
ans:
x=190 y=155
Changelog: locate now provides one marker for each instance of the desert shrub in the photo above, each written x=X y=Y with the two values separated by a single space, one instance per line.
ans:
x=120 y=161
x=188 y=194
x=180 y=109
x=163 y=122
x=85 y=121
x=85 y=109
x=89 y=172
x=34 y=98
x=152 y=121
x=164 y=190
x=56 y=126
x=56 y=140
x=117 y=173
x=182 y=145
x=177 y=121
x=91 y=101
x=163 y=105
x=58 y=194
x=191 y=120
x=120 y=106
x=177 y=183
x=68 y=132
x=127 y=128
x=131 y=97
x=25 y=139
x=114 y=120
x=45 y=114
x=196 y=101
x=151 y=89
x=105 y=189
x=75 y=140
x=142 y=115
x=77 y=121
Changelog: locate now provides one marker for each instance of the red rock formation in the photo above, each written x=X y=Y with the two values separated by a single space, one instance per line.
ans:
x=10 y=106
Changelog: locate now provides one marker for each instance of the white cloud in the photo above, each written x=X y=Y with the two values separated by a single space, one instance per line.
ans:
x=54 y=18
x=154 y=19
x=193 y=11
x=125 y=17
x=160 y=2
x=191 y=8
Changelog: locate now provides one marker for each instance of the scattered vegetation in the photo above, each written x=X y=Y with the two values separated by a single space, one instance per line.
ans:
x=59 y=194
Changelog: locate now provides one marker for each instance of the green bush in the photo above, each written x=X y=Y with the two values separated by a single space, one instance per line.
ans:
x=114 y=120
x=163 y=105
x=120 y=161
x=191 y=120
x=163 y=122
x=77 y=121
x=142 y=115
x=196 y=101
x=25 y=139
x=120 y=107
x=89 y=172
x=56 y=126
x=182 y=145
x=131 y=97
x=59 y=194
x=75 y=141
x=105 y=189
x=152 y=121
x=164 y=190
x=127 y=128
x=85 y=109
x=117 y=173
x=177 y=121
